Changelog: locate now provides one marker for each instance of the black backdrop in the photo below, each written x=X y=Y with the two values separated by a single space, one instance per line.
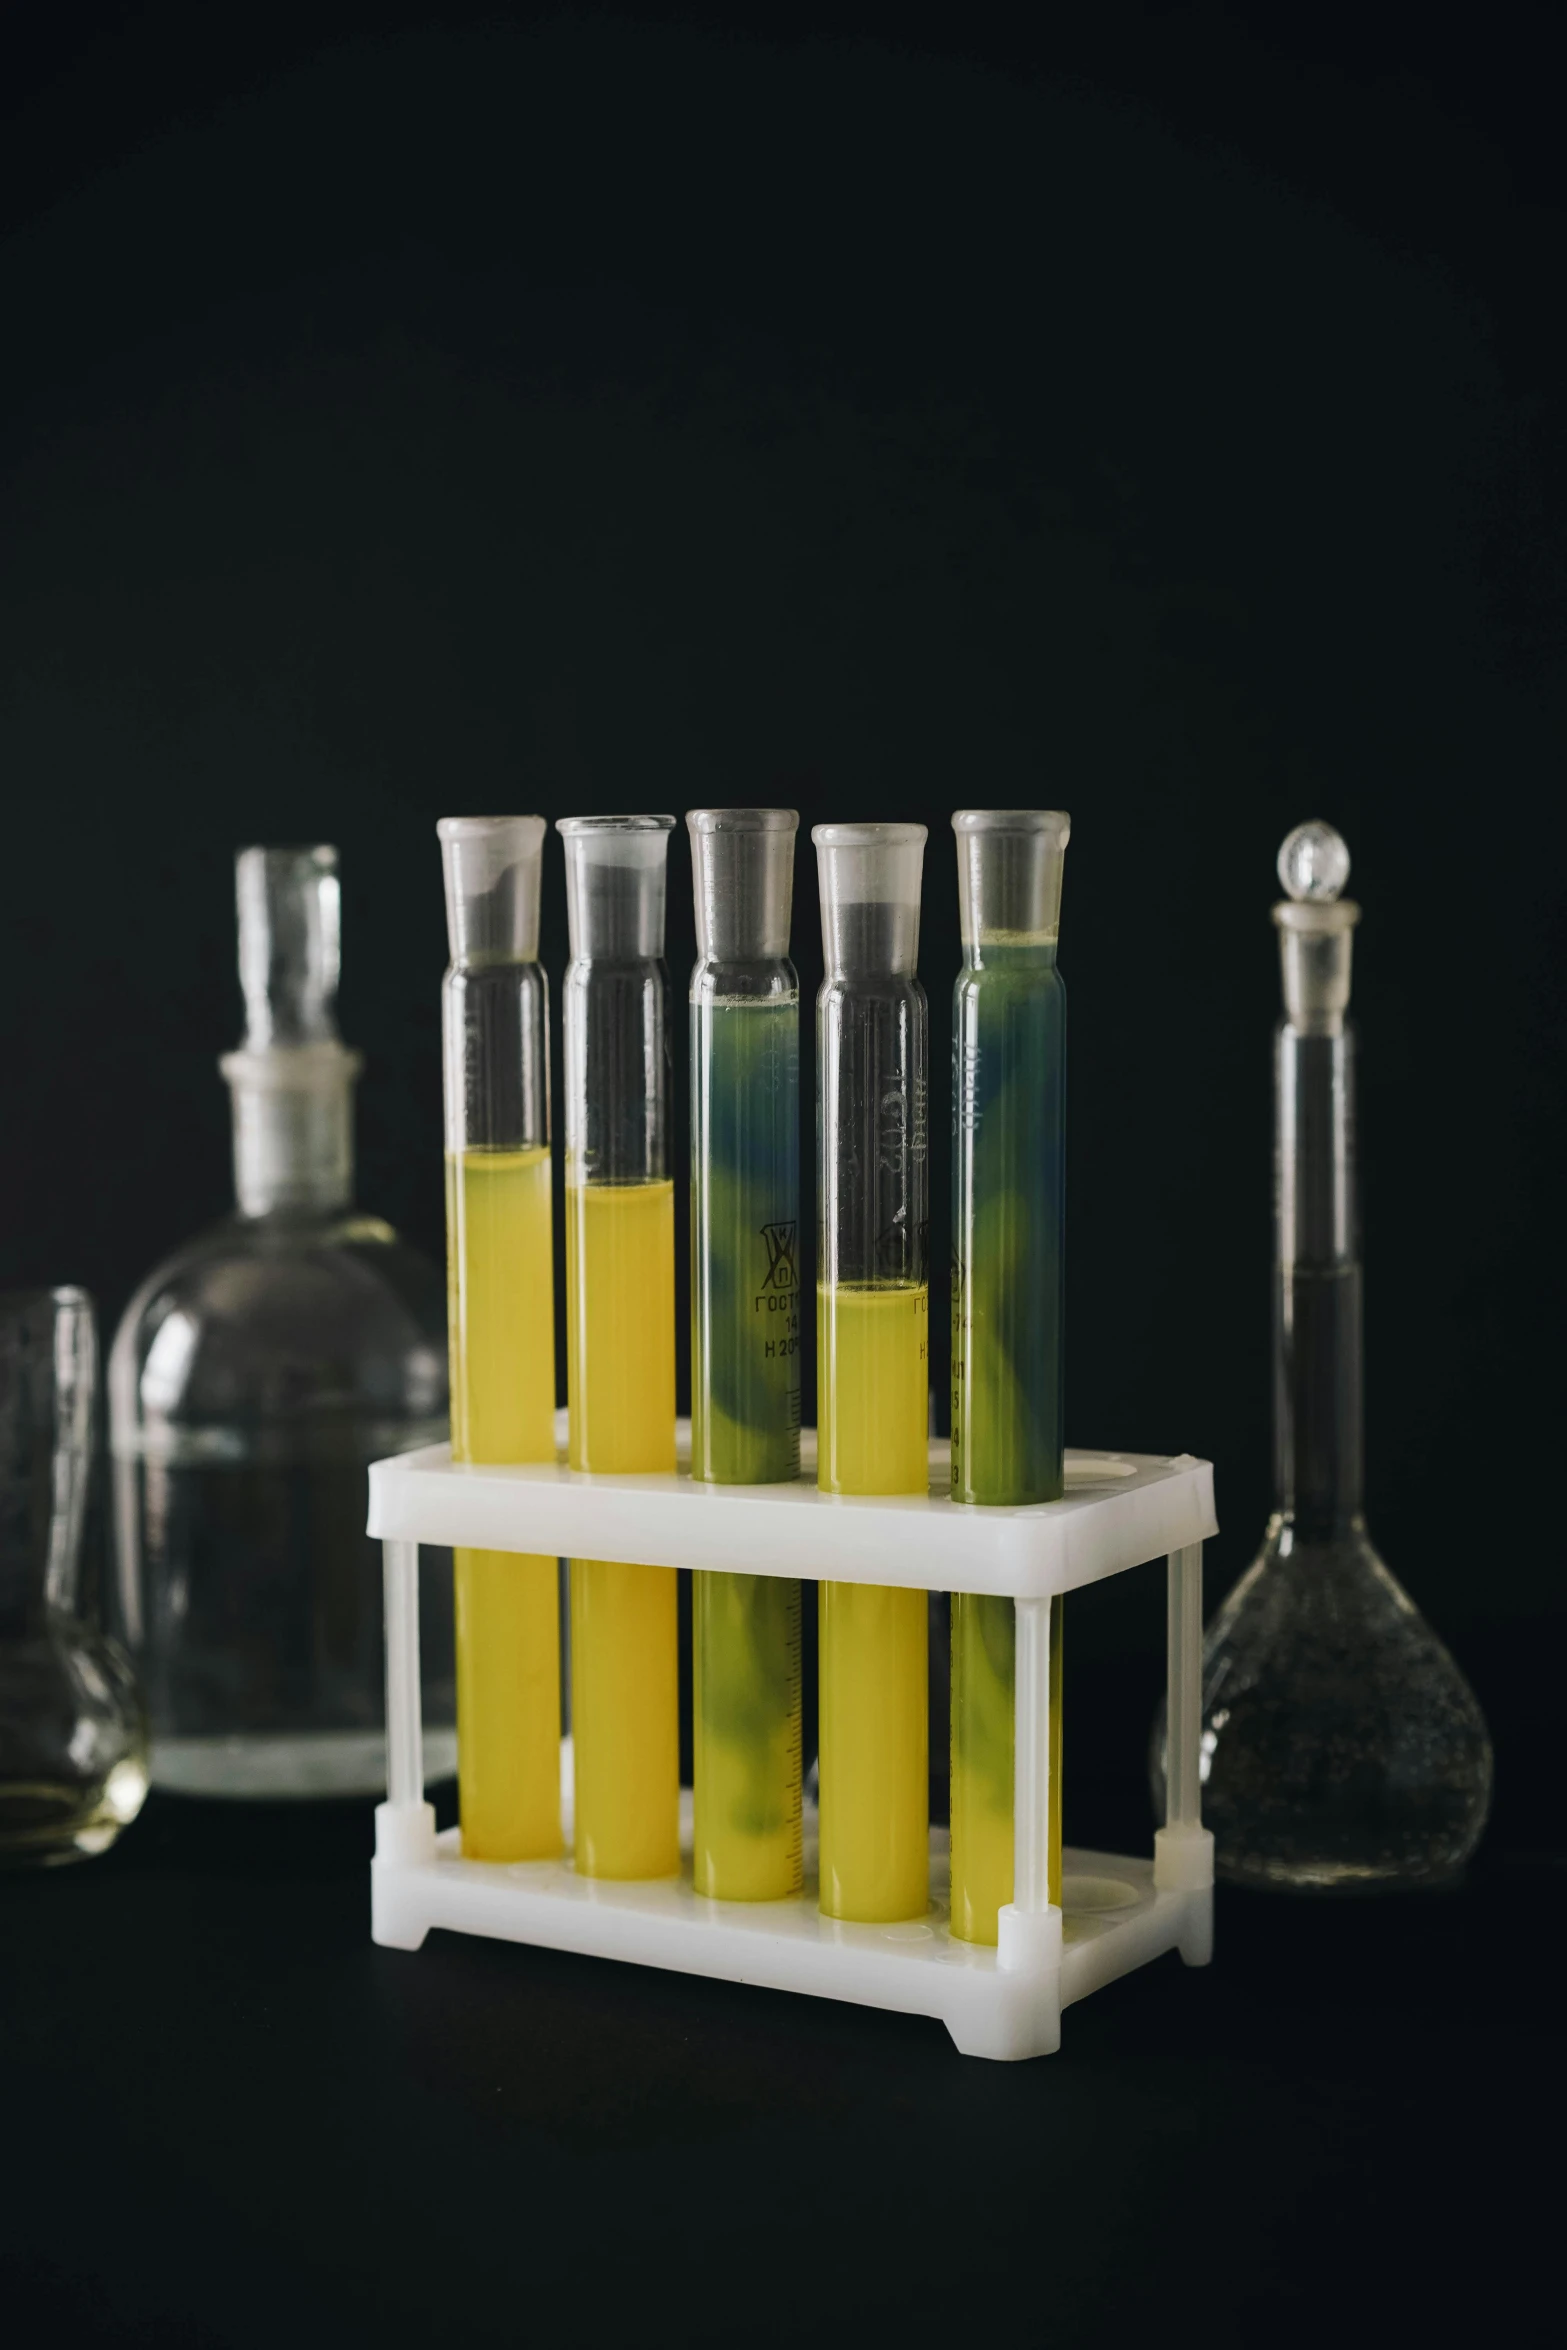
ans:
x=604 y=413
x=1153 y=414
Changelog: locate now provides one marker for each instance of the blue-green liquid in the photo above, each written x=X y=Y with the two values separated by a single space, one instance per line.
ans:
x=1008 y=1090
x=745 y=1229
x=1008 y=1096
x=745 y=1429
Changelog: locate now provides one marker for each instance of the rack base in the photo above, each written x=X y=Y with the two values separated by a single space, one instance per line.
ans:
x=1002 y=2003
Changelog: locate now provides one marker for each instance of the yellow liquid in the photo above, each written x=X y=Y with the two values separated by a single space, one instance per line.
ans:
x=983 y=1753
x=620 y=1351
x=874 y=1729
x=501 y=1301
x=873 y=1381
x=500 y=1294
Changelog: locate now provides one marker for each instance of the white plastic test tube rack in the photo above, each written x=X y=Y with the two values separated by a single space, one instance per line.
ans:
x=1119 y=1511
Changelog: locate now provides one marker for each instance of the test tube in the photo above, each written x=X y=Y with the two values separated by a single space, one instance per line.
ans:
x=501 y=1321
x=620 y=1333
x=872 y=1359
x=745 y=1340
x=1008 y=1101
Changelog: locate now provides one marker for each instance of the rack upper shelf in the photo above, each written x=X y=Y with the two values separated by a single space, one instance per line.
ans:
x=1119 y=1510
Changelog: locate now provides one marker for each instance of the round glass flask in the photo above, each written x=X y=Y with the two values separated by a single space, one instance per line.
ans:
x=1343 y=1749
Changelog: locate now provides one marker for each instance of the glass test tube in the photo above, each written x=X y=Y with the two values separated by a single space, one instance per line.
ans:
x=620 y=1333
x=501 y=1321
x=872 y=1368
x=1008 y=1102
x=745 y=1340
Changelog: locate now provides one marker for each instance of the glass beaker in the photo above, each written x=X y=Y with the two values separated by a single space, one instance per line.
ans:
x=745 y=1341
x=1343 y=1750
x=1008 y=1142
x=73 y=1742
x=620 y=1334
x=501 y=1323
x=872 y=1359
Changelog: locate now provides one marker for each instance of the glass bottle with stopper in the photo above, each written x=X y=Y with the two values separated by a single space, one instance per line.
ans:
x=254 y=1376
x=1343 y=1748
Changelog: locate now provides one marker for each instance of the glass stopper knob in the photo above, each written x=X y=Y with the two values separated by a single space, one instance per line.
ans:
x=1314 y=863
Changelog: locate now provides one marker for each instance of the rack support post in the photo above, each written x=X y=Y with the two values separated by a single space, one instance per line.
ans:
x=1028 y=1940
x=1183 y=1847
x=404 y=1823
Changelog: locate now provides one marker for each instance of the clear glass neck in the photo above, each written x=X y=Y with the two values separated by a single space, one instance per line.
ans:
x=1317 y=1284
x=290 y=944
x=742 y=882
x=491 y=866
x=616 y=868
x=1316 y=1281
x=292 y=1078
x=872 y=1059
x=870 y=877
x=1010 y=865
x=495 y=998
x=616 y=1000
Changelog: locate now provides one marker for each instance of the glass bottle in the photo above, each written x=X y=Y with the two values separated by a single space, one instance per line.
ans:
x=254 y=1375
x=73 y=1738
x=1343 y=1748
x=872 y=1369
x=620 y=1334
x=1008 y=1140
x=501 y=1321
x=745 y=1340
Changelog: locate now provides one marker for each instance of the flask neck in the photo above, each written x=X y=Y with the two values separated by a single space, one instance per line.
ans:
x=293 y=1128
x=1318 y=1441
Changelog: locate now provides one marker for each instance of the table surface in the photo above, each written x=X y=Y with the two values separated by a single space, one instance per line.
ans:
x=230 y=2119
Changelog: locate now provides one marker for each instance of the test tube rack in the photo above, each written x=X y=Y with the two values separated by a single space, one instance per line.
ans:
x=1120 y=1510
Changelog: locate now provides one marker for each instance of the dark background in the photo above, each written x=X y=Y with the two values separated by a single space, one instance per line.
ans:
x=1155 y=412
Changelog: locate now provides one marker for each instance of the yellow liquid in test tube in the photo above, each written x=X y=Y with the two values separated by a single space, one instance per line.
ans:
x=500 y=1294
x=873 y=1415
x=625 y=1708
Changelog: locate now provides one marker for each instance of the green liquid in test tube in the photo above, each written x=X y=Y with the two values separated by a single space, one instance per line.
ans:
x=1008 y=1092
x=745 y=1340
